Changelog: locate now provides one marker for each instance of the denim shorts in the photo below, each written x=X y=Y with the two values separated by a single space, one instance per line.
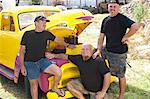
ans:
x=34 y=69
x=117 y=62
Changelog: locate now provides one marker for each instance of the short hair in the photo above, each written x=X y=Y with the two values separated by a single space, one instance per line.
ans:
x=88 y=44
x=114 y=1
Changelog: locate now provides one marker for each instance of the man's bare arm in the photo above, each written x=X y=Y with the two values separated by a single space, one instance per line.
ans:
x=21 y=60
x=21 y=55
x=134 y=28
x=106 y=84
x=60 y=40
x=99 y=45
x=51 y=55
x=62 y=56
x=100 y=41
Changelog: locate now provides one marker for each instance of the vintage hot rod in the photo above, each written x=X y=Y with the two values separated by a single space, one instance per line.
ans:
x=65 y=24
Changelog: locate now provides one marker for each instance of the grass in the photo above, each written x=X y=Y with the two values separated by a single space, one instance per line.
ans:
x=138 y=77
x=10 y=90
x=138 y=81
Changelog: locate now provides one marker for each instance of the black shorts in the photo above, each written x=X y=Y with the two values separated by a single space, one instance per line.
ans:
x=117 y=62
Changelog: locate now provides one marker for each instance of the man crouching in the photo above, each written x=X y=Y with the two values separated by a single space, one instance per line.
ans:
x=94 y=74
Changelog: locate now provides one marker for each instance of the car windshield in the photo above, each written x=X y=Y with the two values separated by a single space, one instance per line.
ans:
x=26 y=19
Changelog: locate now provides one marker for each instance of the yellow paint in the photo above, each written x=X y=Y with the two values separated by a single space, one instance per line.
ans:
x=69 y=71
x=75 y=51
x=62 y=24
x=10 y=34
x=53 y=95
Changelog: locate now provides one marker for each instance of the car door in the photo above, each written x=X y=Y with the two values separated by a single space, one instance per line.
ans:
x=9 y=41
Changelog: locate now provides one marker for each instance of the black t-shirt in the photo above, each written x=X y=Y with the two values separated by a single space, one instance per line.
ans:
x=115 y=28
x=92 y=72
x=35 y=43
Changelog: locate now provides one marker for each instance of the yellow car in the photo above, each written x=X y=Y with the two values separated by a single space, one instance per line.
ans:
x=65 y=24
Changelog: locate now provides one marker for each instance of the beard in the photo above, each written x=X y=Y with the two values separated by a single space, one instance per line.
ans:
x=85 y=58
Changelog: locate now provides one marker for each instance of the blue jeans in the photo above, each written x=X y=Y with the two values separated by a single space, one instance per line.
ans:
x=35 y=68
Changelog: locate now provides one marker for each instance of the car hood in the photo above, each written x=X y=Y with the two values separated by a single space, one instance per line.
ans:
x=70 y=22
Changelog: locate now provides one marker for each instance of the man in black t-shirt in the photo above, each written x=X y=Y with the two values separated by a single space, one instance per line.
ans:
x=32 y=56
x=114 y=28
x=94 y=74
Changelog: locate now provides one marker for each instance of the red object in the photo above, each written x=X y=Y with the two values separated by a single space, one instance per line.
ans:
x=85 y=17
x=43 y=79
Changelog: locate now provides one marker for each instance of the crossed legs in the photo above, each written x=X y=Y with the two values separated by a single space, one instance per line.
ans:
x=77 y=89
x=52 y=69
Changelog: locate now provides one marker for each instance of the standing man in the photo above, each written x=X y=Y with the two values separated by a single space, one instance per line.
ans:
x=32 y=56
x=94 y=74
x=114 y=28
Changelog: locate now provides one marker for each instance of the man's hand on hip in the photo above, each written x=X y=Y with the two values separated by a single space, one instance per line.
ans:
x=124 y=40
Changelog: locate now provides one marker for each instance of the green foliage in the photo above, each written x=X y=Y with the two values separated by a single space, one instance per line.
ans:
x=142 y=35
x=139 y=12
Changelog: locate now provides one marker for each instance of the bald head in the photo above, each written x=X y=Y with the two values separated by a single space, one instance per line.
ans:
x=87 y=46
x=87 y=51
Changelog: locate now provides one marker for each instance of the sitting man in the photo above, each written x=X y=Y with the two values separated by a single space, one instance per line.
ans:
x=95 y=75
x=32 y=56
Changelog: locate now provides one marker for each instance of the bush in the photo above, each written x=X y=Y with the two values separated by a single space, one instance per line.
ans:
x=139 y=12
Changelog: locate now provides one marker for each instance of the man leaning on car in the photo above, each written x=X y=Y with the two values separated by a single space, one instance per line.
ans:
x=32 y=56
x=94 y=74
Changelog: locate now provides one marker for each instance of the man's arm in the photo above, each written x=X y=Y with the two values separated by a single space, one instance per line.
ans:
x=51 y=55
x=106 y=84
x=60 y=40
x=99 y=45
x=62 y=56
x=100 y=41
x=21 y=60
x=134 y=28
x=73 y=58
